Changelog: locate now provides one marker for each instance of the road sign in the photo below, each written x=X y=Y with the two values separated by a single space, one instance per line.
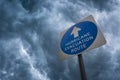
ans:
x=81 y=38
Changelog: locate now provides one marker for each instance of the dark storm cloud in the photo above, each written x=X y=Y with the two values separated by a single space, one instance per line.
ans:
x=98 y=4
x=28 y=4
x=98 y=65
x=34 y=5
x=19 y=23
x=29 y=32
x=12 y=68
x=73 y=10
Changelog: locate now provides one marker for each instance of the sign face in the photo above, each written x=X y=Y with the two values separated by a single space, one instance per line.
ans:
x=78 y=38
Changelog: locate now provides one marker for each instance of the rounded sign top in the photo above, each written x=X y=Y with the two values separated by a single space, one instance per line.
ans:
x=79 y=37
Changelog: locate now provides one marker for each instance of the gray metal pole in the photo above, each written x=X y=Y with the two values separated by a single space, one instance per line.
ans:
x=82 y=68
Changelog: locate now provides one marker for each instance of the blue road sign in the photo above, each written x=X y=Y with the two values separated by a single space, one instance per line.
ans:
x=79 y=37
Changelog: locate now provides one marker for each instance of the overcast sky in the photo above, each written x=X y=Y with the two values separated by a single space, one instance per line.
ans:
x=29 y=36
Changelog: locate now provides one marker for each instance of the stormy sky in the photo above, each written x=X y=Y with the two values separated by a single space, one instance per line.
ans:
x=29 y=37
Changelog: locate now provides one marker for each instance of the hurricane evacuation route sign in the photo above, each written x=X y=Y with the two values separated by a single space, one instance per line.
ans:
x=81 y=37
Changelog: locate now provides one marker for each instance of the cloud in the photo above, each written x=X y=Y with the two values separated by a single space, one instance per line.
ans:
x=29 y=36
x=99 y=4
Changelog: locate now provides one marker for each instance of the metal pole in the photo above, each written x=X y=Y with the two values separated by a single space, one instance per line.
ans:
x=82 y=68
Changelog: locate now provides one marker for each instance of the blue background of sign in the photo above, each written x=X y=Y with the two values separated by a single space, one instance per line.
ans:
x=85 y=26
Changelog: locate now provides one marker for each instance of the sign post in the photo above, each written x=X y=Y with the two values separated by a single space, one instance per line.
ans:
x=81 y=67
x=80 y=38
